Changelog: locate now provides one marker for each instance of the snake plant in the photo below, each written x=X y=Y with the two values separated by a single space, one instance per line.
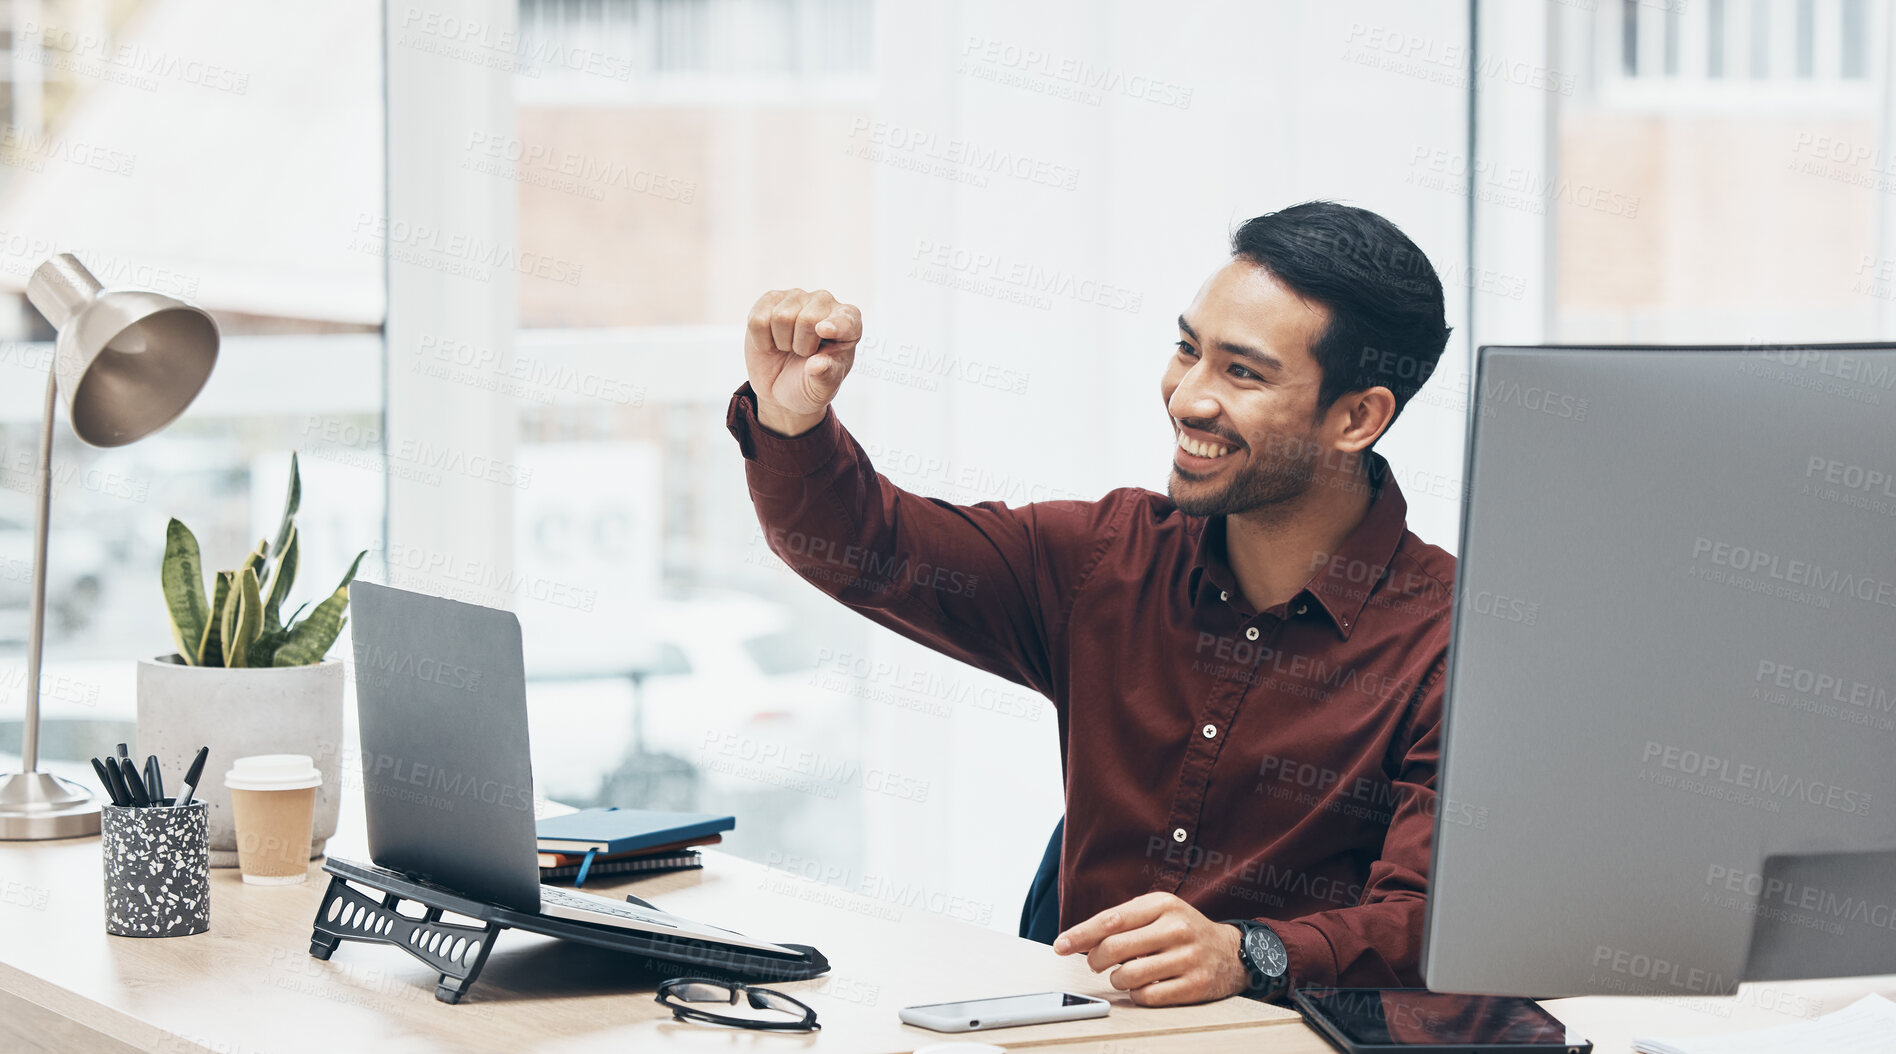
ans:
x=241 y=625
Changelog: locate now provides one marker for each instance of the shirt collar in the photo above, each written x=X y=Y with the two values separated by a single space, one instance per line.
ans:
x=1342 y=586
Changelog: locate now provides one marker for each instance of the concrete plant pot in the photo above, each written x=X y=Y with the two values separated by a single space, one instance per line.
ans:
x=272 y=710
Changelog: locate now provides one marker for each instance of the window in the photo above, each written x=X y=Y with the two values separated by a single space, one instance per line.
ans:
x=228 y=163
x=1721 y=205
x=1019 y=205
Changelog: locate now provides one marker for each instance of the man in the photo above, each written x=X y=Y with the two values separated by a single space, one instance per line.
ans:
x=1247 y=672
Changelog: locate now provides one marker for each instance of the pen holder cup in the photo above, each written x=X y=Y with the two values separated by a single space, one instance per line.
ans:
x=157 y=869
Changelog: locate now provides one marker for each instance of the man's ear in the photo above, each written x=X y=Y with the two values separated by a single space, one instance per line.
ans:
x=1358 y=419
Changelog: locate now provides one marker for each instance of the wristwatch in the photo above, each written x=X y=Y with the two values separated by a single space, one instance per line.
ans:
x=1264 y=957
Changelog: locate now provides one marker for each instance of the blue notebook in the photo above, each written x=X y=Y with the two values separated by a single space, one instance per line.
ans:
x=610 y=831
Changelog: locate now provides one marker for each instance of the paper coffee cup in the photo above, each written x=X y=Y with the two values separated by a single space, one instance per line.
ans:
x=273 y=801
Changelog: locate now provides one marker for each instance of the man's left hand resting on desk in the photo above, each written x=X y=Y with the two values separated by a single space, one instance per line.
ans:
x=1161 y=950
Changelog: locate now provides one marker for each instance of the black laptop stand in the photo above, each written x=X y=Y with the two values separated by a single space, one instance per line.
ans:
x=457 y=951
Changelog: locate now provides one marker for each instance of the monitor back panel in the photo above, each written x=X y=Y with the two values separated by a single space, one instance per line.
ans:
x=441 y=694
x=1674 y=655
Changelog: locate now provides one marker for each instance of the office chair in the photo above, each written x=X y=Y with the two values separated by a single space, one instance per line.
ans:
x=1040 y=915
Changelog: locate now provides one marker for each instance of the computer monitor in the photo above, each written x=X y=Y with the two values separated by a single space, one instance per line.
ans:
x=1669 y=762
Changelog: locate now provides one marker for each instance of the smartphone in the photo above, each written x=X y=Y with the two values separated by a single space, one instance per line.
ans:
x=1370 y=1020
x=1005 y=1011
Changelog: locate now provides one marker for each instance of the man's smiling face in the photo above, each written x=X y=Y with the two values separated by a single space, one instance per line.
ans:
x=1241 y=391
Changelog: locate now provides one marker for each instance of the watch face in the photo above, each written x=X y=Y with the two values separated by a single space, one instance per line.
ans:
x=1267 y=952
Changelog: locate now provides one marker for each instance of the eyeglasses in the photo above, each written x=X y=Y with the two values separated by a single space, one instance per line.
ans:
x=679 y=992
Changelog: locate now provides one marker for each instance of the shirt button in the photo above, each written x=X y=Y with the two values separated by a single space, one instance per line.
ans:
x=1211 y=731
x=1222 y=595
x=1250 y=633
x=1301 y=608
x=1178 y=834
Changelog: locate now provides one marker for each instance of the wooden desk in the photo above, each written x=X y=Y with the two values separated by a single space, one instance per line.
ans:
x=249 y=986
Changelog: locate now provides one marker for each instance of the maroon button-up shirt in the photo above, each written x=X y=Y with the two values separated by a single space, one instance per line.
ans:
x=1277 y=765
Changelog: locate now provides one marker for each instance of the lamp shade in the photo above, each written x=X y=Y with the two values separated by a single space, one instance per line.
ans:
x=128 y=361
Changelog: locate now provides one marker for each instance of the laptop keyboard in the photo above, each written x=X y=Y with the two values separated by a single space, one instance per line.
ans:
x=597 y=905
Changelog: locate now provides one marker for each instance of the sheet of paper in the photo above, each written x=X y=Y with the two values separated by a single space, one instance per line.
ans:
x=1867 y=1026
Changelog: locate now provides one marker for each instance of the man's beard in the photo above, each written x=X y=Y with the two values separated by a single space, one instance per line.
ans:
x=1278 y=481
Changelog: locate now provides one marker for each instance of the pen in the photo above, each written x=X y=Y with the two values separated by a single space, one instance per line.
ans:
x=123 y=753
x=110 y=791
x=133 y=783
x=115 y=778
x=191 y=776
x=154 y=781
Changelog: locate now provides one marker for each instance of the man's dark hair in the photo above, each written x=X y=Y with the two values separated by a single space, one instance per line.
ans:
x=1387 y=324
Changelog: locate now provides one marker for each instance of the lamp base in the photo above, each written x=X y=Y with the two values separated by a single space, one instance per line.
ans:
x=39 y=805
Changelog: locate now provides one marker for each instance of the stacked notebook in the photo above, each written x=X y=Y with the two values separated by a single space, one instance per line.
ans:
x=612 y=841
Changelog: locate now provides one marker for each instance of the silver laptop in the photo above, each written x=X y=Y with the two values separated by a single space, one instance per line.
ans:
x=446 y=777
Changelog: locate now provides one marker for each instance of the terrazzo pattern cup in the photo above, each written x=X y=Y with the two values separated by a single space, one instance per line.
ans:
x=157 y=869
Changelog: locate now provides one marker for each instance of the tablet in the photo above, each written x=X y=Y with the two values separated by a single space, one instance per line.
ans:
x=1415 y=1019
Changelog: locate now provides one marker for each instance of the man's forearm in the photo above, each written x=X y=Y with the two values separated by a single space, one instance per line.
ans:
x=958 y=579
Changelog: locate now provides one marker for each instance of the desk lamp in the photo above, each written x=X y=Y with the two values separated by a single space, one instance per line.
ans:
x=128 y=363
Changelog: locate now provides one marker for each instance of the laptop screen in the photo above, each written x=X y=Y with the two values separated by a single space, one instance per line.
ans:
x=446 y=776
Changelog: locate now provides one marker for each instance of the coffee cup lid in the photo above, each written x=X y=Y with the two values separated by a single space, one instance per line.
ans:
x=269 y=772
